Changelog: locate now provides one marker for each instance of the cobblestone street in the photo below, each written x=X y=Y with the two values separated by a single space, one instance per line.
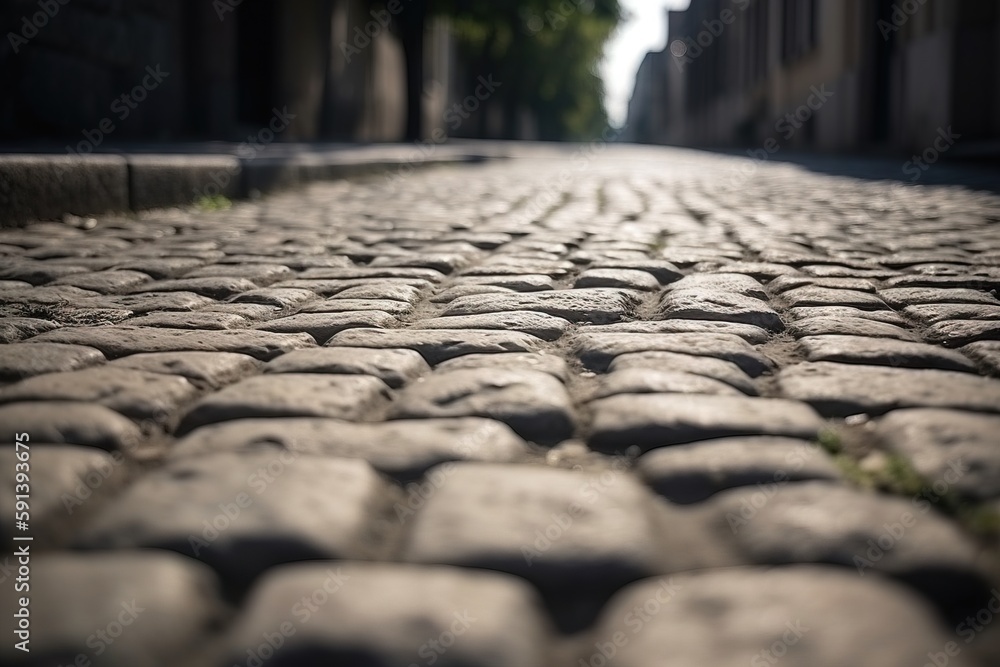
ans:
x=618 y=407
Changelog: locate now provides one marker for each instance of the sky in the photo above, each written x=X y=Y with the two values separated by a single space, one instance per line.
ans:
x=644 y=31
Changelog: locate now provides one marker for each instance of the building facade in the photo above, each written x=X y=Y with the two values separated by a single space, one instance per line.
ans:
x=825 y=74
x=224 y=67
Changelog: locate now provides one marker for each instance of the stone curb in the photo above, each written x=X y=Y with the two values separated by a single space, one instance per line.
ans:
x=39 y=187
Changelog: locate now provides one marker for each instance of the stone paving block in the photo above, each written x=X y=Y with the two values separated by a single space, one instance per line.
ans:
x=369 y=272
x=335 y=305
x=259 y=274
x=38 y=273
x=394 y=367
x=986 y=353
x=597 y=351
x=534 y=404
x=901 y=297
x=512 y=266
x=749 y=333
x=62 y=478
x=215 y=287
x=692 y=473
x=882 y=352
x=982 y=280
x=105 y=282
x=349 y=397
x=824 y=296
x=323 y=326
x=558 y=529
x=223 y=508
x=664 y=272
x=149 y=302
x=58 y=295
x=161 y=268
x=143 y=609
x=379 y=288
x=735 y=283
x=19 y=361
x=716 y=369
x=848 y=326
x=834 y=271
x=516 y=283
x=388 y=614
x=437 y=345
x=205 y=370
x=841 y=390
x=761 y=270
x=648 y=421
x=619 y=278
x=797 y=616
x=704 y=304
x=598 y=306
x=276 y=296
x=545 y=363
x=393 y=291
x=120 y=341
x=441 y=262
x=546 y=327
x=136 y=394
x=15 y=329
x=403 y=449
x=456 y=291
x=61 y=422
x=202 y=320
x=650 y=381
x=941 y=312
x=782 y=284
x=820 y=522
x=955 y=451
x=844 y=312
x=956 y=333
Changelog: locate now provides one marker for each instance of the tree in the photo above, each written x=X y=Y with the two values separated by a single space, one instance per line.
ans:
x=544 y=51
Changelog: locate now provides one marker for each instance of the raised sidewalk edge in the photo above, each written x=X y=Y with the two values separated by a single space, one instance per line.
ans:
x=46 y=187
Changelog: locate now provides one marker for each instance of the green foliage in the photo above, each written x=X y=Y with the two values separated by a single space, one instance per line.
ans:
x=213 y=203
x=546 y=54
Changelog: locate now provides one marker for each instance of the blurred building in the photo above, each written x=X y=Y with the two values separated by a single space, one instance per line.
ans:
x=223 y=67
x=824 y=74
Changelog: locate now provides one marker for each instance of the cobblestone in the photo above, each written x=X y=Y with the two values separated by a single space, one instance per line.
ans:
x=840 y=390
x=393 y=367
x=142 y=609
x=136 y=394
x=584 y=411
x=882 y=352
x=18 y=361
x=599 y=306
x=211 y=370
x=692 y=473
x=121 y=341
x=597 y=351
x=953 y=450
x=222 y=509
x=820 y=522
x=534 y=404
x=437 y=345
x=380 y=614
x=404 y=449
x=656 y=420
x=289 y=395
x=813 y=615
